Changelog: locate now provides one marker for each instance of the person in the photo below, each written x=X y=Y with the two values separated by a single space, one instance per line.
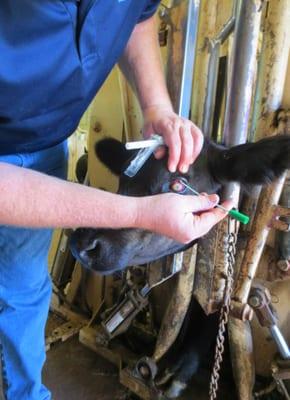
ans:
x=55 y=55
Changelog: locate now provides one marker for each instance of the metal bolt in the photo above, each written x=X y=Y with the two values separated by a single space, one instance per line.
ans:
x=283 y=265
x=144 y=371
x=98 y=127
x=255 y=301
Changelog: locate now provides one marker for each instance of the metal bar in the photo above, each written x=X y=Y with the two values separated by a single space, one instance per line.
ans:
x=211 y=89
x=242 y=356
x=213 y=66
x=259 y=233
x=189 y=58
x=206 y=30
x=280 y=342
x=226 y=30
x=178 y=306
x=183 y=19
x=243 y=71
x=188 y=64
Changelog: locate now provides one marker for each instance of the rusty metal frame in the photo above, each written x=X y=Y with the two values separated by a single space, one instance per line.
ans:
x=211 y=254
x=210 y=257
x=177 y=308
x=273 y=83
x=271 y=79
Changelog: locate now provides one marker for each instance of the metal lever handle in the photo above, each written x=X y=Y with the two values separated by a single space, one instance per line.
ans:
x=260 y=301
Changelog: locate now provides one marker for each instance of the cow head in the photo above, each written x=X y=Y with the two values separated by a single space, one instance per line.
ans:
x=108 y=250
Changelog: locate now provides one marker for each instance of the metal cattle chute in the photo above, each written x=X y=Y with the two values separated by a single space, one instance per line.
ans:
x=226 y=64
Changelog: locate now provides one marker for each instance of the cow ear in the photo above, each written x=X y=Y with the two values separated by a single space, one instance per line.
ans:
x=252 y=163
x=113 y=154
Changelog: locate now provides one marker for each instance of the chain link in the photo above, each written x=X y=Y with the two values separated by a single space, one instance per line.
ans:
x=224 y=313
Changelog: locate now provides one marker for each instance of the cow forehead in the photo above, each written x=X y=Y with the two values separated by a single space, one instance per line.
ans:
x=154 y=176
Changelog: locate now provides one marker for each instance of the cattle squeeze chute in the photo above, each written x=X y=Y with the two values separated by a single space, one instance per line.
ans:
x=143 y=320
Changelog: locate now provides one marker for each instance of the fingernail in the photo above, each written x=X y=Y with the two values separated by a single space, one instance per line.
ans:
x=171 y=169
x=214 y=198
x=183 y=169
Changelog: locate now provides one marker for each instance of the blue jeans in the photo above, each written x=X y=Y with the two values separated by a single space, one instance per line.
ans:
x=25 y=290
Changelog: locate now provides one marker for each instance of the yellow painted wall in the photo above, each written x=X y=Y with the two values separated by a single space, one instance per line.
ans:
x=286 y=95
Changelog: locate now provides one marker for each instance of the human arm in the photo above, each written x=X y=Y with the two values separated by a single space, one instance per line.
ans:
x=144 y=69
x=32 y=199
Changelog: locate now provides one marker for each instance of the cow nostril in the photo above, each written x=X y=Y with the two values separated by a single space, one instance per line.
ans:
x=91 y=249
x=93 y=252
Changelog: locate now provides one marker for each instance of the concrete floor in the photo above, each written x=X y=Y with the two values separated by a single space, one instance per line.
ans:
x=73 y=372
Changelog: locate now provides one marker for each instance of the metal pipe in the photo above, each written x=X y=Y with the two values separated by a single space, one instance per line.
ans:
x=206 y=30
x=189 y=58
x=178 y=305
x=242 y=356
x=226 y=30
x=243 y=71
x=259 y=233
x=211 y=89
x=280 y=342
x=213 y=66
x=183 y=19
x=238 y=107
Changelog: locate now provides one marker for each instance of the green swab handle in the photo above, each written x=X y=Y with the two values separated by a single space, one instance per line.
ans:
x=243 y=218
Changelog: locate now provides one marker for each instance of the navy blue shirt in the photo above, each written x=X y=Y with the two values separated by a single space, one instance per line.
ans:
x=54 y=56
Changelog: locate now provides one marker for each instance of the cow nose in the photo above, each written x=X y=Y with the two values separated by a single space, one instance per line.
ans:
x=90 y=249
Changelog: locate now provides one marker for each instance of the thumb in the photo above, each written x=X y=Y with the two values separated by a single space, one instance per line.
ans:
x=202 y=203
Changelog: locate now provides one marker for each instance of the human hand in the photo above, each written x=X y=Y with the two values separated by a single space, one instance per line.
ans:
x=183 y=138
x=183 y=218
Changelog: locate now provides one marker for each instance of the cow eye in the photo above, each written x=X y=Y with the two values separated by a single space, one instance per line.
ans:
x=177 y=186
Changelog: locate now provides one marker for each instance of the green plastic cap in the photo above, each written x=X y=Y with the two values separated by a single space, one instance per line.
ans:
x=243 y=218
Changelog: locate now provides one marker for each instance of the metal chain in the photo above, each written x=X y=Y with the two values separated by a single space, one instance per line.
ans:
x=224 y=313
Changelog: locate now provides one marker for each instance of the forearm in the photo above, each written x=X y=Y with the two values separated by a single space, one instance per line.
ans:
x=142 y=65
x=32 y=199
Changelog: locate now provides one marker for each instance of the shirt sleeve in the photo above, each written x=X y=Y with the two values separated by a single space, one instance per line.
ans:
x=149 y=9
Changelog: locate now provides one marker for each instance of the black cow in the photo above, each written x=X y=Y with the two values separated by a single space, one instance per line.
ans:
x=107 y=250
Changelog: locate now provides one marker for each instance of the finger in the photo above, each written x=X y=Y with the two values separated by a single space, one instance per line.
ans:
x=186 y=147
x=228 y=204
x=210 y=218
x=160 y=152
x=172 y=139
x=206 y=220
x=198 y=140
x=201 y=203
